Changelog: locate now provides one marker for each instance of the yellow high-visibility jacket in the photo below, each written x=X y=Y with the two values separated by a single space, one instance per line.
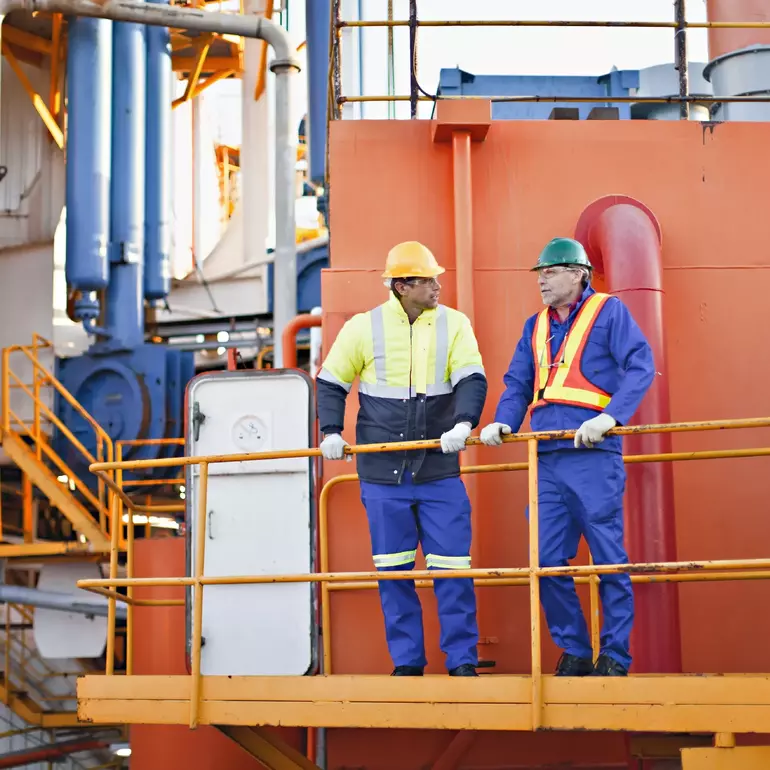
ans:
x=416 y=381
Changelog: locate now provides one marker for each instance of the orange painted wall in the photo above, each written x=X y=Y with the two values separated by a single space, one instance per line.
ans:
x=159 y=648
x=531 y=181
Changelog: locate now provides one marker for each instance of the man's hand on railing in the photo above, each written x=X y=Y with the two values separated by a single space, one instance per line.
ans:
x=492 y=435
x=333 y=447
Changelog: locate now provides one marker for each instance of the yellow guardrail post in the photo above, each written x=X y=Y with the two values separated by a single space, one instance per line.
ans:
x=691 y=571
x=200 y=545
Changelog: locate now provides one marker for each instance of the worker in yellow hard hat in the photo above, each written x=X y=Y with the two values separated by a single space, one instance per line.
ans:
x=420 y=377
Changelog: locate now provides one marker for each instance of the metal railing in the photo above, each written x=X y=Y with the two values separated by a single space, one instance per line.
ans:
x=690 y=571
x=34 y=431
x=417 y=93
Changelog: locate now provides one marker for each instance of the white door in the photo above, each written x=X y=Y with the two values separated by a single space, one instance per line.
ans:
x=259 y=520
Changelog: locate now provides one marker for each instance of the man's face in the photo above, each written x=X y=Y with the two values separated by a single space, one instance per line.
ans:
x=559 y=285
x=420 y=292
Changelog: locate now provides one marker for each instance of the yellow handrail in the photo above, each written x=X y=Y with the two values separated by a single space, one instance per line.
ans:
x=42 y=377
x=673 y=571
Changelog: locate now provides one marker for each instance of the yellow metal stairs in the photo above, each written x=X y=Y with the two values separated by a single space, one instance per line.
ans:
x=27 y=420
x=59 y=494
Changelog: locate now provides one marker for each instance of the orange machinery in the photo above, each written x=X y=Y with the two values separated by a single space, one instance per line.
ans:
x=485 y=197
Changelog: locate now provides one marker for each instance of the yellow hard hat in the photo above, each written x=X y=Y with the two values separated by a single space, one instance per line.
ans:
x=411 y=259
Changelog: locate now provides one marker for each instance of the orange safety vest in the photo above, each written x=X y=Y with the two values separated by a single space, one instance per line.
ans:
x=564 y=383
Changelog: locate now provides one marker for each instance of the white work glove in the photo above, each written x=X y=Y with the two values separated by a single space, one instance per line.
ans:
x=454 y=440
x=492 y=435
x=592 y=431
x=333 y=447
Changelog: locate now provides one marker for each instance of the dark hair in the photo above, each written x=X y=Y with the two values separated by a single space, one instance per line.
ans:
x=393 y=286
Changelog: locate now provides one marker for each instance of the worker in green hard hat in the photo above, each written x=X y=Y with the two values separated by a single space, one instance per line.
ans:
x=562 y=252
x=582 y=364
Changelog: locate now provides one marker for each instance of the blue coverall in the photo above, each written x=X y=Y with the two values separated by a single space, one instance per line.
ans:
x=581 y=490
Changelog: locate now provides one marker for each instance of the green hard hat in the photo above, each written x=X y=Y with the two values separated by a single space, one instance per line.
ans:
x=563 y=251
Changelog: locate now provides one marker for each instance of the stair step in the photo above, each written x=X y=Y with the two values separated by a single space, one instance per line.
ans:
x=59 y=495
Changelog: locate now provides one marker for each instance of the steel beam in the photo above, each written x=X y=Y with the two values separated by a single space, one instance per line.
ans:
x=662 y=704
x=267 y=748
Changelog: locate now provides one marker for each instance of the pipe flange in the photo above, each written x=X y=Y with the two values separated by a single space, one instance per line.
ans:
x=282 y=65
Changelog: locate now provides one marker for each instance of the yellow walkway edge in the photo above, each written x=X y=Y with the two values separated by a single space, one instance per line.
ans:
x=708 y=704
x=55 y=491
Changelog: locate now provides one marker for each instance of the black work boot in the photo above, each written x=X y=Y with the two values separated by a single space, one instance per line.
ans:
x=467 y=669
x=407 y=671
x=572 y=665
x=606 y=666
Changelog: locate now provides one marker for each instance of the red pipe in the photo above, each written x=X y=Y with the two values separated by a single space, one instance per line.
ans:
x=289 y=337
x=50 y=753
x=623 y=240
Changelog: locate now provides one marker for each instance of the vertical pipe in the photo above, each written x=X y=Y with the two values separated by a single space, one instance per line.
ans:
x=125 y=293
x=724 y=41
x=463 y=216
x=739 y=59
x=89 y=97
x=158 y=163
x=197 y=181
x=285 y=264
x=317 y=21
x=289 y=341
x=680 y=54
x=412 y=59
x=623 y=241
x=463 y=226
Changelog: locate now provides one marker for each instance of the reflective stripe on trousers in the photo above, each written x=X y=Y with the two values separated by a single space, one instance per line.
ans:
x=437 y=515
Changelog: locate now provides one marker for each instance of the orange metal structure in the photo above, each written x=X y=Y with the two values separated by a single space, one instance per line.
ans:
x=485 y=196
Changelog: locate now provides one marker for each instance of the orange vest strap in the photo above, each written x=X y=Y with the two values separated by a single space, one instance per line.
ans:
x=563 y=382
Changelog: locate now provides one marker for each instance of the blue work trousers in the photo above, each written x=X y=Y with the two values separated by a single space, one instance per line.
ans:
x=581 y=493
x=437 y=515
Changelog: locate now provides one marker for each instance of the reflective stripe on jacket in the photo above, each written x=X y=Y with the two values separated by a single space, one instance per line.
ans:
x=563 y=382
x=416 y=381
x=616 y=359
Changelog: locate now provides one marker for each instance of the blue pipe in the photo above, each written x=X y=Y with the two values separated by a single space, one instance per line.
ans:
x=125 y=297
x=158 y=165
x=317 y=20
x=89 y=94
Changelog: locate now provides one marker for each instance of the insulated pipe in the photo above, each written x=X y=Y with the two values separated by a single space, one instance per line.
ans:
x=89 y=105
x=284 y=65
x=623 y=240
x=54 y=600
x=158 y=164
x=125 y=293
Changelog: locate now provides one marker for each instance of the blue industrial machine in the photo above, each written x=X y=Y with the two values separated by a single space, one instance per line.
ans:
x=457 y=82
x=118 y=194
